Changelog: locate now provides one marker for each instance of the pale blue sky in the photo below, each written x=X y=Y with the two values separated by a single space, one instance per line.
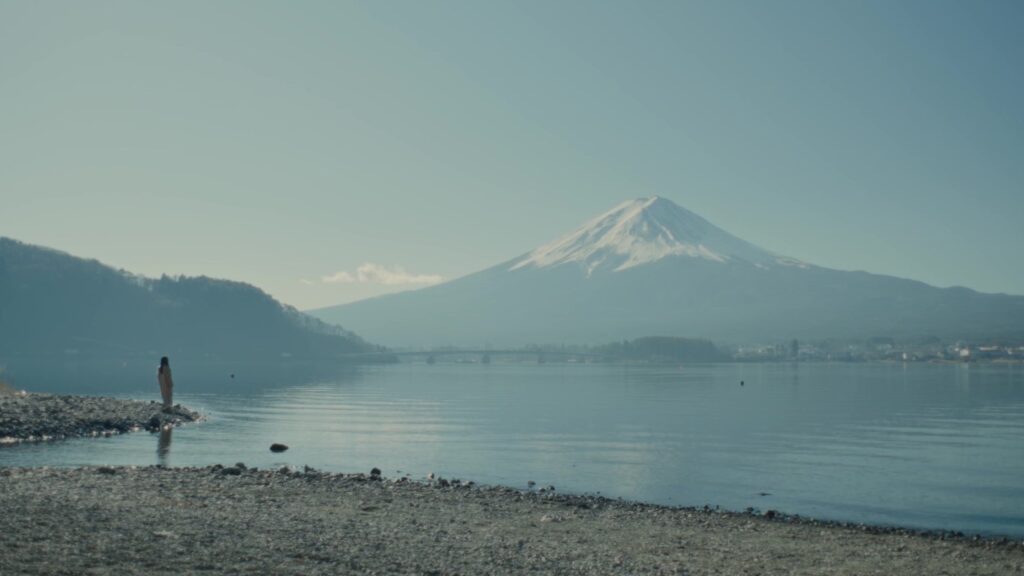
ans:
x=272 y=142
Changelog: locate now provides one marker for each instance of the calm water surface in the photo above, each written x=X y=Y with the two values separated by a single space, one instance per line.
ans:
x=931 y=446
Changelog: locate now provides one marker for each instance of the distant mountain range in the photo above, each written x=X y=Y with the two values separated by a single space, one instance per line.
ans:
x=650 y=267
x=54 y=304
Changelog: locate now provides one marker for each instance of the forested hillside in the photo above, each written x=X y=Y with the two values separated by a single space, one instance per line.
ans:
x=52 y=303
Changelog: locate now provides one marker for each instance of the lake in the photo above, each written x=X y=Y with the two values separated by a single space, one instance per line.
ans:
x=919 y=445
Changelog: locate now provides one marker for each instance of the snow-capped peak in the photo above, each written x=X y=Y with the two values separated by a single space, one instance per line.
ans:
x=642 y=231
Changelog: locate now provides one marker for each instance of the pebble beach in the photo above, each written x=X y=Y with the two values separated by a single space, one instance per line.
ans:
x=28 y=417
x=234 y=519
x=238 y=520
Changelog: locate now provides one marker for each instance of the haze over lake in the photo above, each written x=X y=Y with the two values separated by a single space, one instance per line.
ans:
x=720 y=270
x=931 y=446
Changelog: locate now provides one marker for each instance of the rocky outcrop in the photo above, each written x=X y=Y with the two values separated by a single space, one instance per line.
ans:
x=38 y=417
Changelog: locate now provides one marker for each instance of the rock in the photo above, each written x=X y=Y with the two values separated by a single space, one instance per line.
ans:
x=106 y=470
x=770 y=514
x=231 y=471
x=278 y=447
x=375 y=473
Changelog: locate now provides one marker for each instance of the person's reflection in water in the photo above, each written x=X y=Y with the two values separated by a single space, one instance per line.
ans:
x=163 y=446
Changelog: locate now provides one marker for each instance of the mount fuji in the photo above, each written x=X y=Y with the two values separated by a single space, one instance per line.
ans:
x=643 y=231
x=650 y=267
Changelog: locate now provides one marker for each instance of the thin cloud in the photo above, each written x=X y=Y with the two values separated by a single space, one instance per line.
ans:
x=370 y=273
x=341 y=277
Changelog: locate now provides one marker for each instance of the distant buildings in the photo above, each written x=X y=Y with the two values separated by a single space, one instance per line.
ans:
x=883 y=349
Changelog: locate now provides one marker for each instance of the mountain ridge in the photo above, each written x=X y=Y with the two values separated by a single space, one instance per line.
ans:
x=55 y=304
x=620 y=275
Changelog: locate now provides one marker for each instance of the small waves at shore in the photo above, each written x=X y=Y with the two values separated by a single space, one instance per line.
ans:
x=924 y=446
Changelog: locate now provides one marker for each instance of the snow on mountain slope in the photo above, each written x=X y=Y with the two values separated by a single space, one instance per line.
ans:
x=642 y=231
x=649 y=267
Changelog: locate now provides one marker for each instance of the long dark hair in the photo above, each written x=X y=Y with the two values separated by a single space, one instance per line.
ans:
x=164 y=363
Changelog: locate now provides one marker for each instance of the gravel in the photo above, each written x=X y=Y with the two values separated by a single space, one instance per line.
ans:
x=236 y=519
x=240 y=520
x=38 y=417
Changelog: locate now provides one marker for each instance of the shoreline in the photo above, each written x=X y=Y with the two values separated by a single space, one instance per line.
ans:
x=234 y=518
x=765 y=542
x=33 y=417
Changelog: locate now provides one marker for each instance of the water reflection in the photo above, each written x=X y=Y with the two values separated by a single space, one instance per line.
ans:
x=963 y=376
x=937 y=446
x=163 y=445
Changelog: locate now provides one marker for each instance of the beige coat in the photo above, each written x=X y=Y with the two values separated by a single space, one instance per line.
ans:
x=163 y=377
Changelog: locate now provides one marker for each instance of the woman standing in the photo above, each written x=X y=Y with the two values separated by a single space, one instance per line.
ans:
x=163 y=376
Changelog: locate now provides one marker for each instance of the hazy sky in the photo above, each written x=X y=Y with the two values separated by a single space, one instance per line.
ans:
x=383 y=145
